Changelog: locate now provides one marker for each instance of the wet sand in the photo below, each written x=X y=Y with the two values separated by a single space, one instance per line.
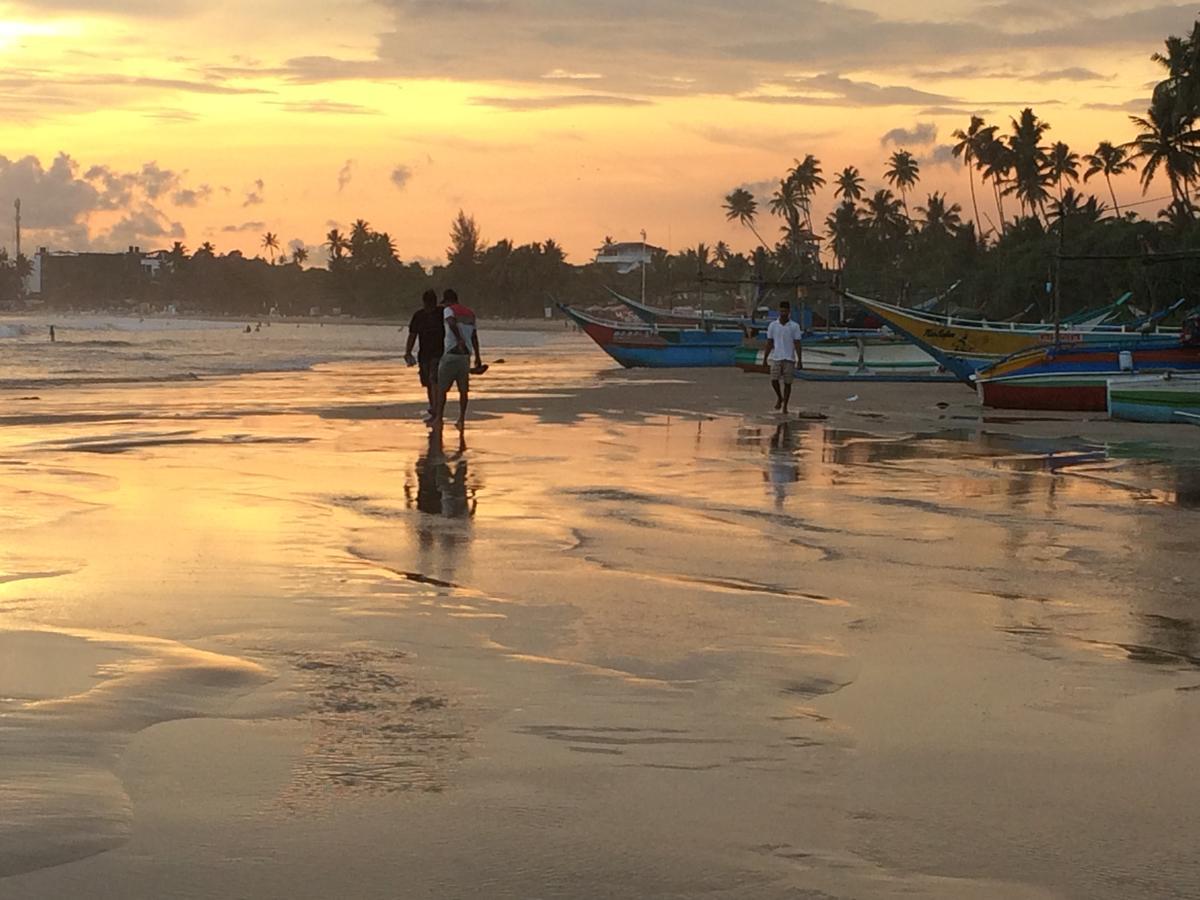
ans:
x=631 y=635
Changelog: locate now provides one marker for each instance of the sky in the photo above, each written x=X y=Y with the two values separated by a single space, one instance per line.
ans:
x=143 y=122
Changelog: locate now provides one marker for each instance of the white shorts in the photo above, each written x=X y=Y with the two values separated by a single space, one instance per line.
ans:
x=783 y=370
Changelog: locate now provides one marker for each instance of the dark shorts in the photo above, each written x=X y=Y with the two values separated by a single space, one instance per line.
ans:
x=427 y=368
x=452 y=368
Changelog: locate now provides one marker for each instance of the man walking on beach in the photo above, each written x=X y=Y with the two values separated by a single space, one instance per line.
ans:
x=426 y=328
x=462 y=337
x=783 y=347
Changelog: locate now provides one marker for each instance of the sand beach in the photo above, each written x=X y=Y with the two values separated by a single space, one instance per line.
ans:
x=629 y=634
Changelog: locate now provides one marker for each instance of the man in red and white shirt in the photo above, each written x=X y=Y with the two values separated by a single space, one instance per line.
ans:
x=462 y=337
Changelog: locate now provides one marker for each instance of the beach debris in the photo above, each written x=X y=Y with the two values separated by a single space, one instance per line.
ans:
x=811 y=416
x=852 y=398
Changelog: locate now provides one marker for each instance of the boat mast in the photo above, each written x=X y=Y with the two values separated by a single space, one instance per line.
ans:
x=643 y=265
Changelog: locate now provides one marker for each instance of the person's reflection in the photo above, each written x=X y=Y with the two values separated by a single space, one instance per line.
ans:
x=782 y=466
x=442 y=488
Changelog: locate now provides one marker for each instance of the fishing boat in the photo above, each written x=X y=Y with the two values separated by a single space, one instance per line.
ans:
x=648 y=346
x=1076 y=377
x=653 y=315
x=978 y=339
x=847 y=356
x=1169 y=397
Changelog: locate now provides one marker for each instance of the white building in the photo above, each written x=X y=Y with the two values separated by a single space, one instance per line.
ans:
x=627 y=255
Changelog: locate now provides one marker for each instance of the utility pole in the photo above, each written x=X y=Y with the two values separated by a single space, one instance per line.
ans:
x=18 y=206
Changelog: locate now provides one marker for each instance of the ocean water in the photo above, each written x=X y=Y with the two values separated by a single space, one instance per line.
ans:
x=112 y=349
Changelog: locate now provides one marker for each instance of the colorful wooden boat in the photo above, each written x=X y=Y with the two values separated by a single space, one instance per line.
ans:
x=1155 y=398
x=646 y=346
x=653 y=315
x=845 y=357
x=975 y=339
x=1076 y=377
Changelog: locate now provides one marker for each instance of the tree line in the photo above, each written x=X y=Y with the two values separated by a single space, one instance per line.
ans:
x=1007 y=257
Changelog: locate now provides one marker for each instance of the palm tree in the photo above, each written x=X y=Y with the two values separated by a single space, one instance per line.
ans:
x=938 y=218
x=786 y=203
x=903 y=172
x=1063 y=164
x=207 y=249
x=994 y=160
x=741 y=205
x=299 y=256
x=721 y=253
x=885 y=216
x=843 y=225
x=966 y=150
x=1163 y=143
x=1111 y=160
x=1030 y=163
x=806 y=174
x=360 y=237
x=337 y=244
x=849 y=185
x=270 y=242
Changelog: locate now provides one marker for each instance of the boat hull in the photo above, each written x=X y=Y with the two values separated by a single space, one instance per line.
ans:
x=984 y=341
x=661 y=348
x=1154 y=399
x=1076 y=378
x=873 y=357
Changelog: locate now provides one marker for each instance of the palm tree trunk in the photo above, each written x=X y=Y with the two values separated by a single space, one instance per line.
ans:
x=974 y=203
x=1116 y=206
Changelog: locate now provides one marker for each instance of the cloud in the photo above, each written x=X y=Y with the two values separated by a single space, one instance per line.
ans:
x=401 y=176
x=329 y=107
x=345 y=173
x=941 y=155
x=1073 y=73
x=921 y=134
x=954 y=111
x=564 y=75
x=830 y=89
x=245 y=226
x=139 y=225
x=757 y=138
x=1136 y=106
x=191 y=196
x=557 y=101
x=254 y=197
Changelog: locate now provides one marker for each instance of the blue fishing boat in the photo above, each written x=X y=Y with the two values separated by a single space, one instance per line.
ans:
x=645 y=346
x=1155 y=398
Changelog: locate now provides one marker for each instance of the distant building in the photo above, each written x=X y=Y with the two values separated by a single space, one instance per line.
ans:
x=69 y=278
x=627 y=255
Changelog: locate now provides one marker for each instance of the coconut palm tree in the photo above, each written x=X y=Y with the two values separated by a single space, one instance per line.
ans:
x=903 y=172
x=885 y=217
x=207 y=249
x=1164 y=143
x=1030 y=162
x=966 y=150
x=1110 y=160
x=849 y=185
x=299 y=255
x=994 y=161
x=843 y=225
x=741 y=205
x=1063 y=165
x=337 y=244
x=938 y=218
x=786 y=203
x=806 y=174
x=270 y=243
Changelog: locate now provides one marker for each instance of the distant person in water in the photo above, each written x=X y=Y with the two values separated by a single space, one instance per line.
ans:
x=783 y=348
x=52 y=334
x=426 y=333
x=461 y=338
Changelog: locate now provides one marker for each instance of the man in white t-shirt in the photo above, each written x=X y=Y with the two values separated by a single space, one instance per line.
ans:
x=783 y=352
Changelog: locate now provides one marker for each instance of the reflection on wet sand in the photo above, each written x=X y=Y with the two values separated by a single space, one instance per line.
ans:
x=442 y=487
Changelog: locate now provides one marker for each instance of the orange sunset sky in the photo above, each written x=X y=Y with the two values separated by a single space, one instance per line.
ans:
x=148 y=121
